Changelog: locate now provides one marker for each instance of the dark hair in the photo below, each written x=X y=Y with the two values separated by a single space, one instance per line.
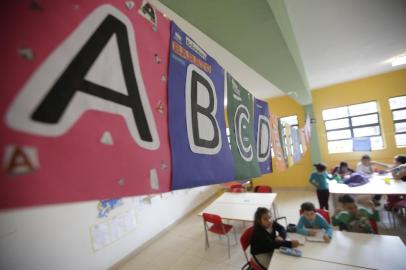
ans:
x=320 y=167
x=346 y=199
x=308 y=206
x=343 y=164
x=401 y=159
x=259 y=213
x=366 y=157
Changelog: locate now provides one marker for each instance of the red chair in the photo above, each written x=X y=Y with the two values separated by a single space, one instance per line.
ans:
x=217 y=227
x=322 y=212
x=237 y=188
x=398 y=205
x=245 y=240
x=374 y=225
x=263 y=189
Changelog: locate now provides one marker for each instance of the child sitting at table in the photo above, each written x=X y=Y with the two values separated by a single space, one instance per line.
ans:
x=398 y=173
x=310 y=222
x=319 y=180
x=354 y=219
x=399 y=169
x=342 y=170
x=366 y=166
x=264 y=239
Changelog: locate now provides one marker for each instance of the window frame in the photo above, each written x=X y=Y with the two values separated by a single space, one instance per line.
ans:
x=351 y=127
x=397 y=121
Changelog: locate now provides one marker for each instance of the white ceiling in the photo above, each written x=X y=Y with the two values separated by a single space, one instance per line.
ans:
x=342 y=40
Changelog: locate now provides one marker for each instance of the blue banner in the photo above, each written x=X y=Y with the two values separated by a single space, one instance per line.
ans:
x=262 y=135
x=200 y=151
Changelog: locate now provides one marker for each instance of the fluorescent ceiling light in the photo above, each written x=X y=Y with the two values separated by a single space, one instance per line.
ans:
x=400 y=60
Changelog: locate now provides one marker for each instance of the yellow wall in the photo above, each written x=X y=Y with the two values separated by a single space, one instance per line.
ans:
x=377 y=88
x=297 y=175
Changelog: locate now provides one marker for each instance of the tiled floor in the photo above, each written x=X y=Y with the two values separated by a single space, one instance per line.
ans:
x=182 y=248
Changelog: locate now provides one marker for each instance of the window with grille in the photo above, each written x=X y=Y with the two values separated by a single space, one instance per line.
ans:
x=398 y=108
x=345 y=123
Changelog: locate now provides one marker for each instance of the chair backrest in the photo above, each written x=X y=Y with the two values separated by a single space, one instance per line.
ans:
x=237 y=189
x=236 y=186
x=374 y=225
x=245 y=238
x=263 y=189
x=215 y=219
x=322 y=212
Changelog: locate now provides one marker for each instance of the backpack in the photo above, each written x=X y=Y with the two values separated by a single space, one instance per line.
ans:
x=356 y=179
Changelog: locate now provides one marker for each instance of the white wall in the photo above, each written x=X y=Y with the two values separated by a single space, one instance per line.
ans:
x=57 y=237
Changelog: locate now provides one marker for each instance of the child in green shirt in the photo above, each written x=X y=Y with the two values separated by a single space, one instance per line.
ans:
x=354 y=219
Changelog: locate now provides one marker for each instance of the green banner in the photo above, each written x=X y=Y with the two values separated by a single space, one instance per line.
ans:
x=241 y=123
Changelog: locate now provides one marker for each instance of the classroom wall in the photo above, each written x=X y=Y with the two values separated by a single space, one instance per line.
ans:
x=57 y=236
x=297 y=175
x=376 y=88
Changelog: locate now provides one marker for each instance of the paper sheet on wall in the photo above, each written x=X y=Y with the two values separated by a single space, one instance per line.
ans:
x=100 y=234
x=122 y=224
x=117 y=227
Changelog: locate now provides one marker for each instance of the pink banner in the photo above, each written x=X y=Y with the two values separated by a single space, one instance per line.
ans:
x=84 y=101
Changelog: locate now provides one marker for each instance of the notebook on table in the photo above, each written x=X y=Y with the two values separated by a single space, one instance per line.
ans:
x=317 y=238
x=295 y=236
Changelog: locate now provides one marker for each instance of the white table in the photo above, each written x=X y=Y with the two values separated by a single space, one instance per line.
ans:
x=376 y=185
x=281 y=261
x=247 y=198
x=239 y=206
x=372 y=251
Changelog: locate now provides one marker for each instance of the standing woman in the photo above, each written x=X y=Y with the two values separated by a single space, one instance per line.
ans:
x=264 y=239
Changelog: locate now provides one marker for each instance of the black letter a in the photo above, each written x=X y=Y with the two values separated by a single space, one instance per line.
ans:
x=53 y=106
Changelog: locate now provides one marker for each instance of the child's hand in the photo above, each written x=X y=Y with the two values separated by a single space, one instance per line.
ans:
x=370 y=204
x=295 y=243
x=326 y=238
x=278 y=238
x=312 y=232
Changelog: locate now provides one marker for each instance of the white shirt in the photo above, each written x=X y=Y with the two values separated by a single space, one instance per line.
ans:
x=364 y=168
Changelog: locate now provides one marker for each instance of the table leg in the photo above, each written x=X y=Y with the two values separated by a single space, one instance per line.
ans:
x=275 y=210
